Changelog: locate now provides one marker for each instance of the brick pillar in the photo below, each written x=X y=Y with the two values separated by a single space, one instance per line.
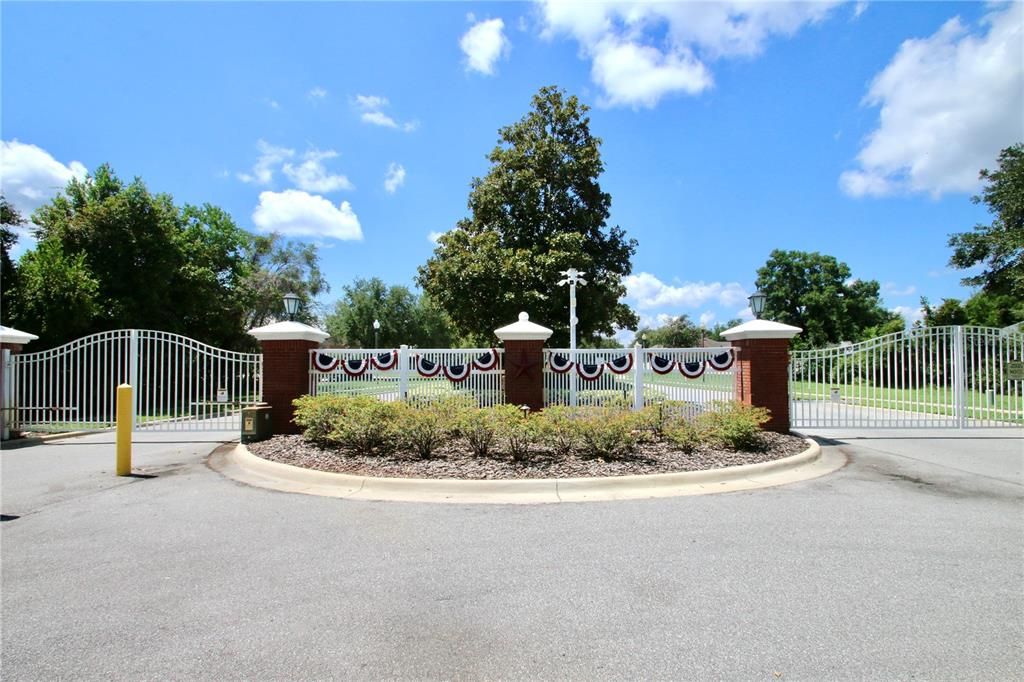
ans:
x=11 y=341
x=762 y=368
x=286 y=347
x=524 y=362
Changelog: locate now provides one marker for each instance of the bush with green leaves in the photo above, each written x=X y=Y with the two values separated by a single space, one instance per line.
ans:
x=516 y=431
x=315 y=415
x=558 y=429
x=607 y=434
x=481 y=428
x=733 y=425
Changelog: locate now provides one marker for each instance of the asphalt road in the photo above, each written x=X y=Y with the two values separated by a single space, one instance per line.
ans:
x=906 y=564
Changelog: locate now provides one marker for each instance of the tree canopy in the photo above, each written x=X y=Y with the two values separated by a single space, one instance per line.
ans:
x=403 y=316
x=999 y=246
x=982 y=309
x=818 y=294
x=112 y=254
x=10 y=220
x=538 y=211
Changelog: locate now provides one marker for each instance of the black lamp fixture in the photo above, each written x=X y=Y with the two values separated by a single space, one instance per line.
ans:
x=757 y=300
x=291 y=305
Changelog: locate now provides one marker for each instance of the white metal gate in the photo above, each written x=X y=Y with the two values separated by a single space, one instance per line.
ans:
x=180 y=384
x=933 y=377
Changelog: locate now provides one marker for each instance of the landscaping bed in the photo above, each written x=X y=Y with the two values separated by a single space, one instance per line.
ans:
x=448 y=439
x=454 y=460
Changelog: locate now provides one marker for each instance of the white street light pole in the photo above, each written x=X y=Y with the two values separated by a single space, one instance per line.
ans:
x=572 y=277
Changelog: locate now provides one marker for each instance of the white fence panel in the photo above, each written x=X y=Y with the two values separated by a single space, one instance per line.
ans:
x=933 y=377
x=640 y=376
x=409 y=373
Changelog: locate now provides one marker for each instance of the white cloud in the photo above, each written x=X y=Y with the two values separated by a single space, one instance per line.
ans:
x=911 y=315
x=632 y=74
x=858 y=8
x=947 y=104
x=371 y=105
x=30 y=176
x=317 y=93
x=270 y=156
x=297 y=213
x=484 y=44
x=433 y=237
x=273 y=104
x=649 y=292
x=394 y=178
x=706 y=318
x=893 y=289
x=643 y=51
x=312 y=176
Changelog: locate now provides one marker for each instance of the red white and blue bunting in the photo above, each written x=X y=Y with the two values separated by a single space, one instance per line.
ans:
x=426 y=368
x=692 y=369
x=355 y=367
x=621 y=364
x=457 y=373
x=324 y=362
x=590 y=372
x=385 y=361
x=486 y=361
x=559 y=364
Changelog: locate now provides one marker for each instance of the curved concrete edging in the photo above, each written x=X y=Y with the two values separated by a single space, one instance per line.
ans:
x=236 y=462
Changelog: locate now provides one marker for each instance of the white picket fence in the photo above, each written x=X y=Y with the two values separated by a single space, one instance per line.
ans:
x=409 y=373
x=639 y=376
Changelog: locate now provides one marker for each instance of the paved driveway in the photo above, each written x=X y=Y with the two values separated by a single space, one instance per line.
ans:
x=905 y=564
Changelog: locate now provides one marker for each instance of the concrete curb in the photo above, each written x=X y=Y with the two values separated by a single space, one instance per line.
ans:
x=236 y=462
x=16 y=443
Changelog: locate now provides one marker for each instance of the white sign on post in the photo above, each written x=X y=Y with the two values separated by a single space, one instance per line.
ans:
x=222 y=395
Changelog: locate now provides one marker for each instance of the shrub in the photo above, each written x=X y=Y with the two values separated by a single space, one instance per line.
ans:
x=366 y=424
x=607 y=434
x=315 y=415
x=558 y=429
x=733 y=425
x=481 y=428
x=611 y=398
x=683 y=435
x=664 y=416
x=517 y=431
x=422 y=428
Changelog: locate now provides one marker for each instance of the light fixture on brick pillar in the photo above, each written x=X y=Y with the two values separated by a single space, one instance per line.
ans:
x=376 y=333
x=762 y=367
x=757 y=301
x=291 y=305
x=286 y=355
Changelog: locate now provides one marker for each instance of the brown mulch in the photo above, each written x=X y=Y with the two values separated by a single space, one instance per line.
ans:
x=455 y=460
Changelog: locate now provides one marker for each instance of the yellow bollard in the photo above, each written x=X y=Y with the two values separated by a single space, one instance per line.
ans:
x=124 y=430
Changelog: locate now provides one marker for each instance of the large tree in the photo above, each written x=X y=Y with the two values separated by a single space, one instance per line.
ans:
x=818 y=294
x=538 y=211
x=10 y=221
x=111 y=254
x=403 y=316
x=679 y=332
x=997 y=247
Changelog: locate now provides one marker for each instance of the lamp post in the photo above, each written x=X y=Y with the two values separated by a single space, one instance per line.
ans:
x=376 y=333
x=572 y=277
x=291 y=305
x=757 y=300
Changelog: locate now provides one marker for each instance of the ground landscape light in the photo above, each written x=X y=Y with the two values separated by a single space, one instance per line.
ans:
x=291 y=305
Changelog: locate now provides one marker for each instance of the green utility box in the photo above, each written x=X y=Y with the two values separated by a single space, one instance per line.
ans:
x=256 y=424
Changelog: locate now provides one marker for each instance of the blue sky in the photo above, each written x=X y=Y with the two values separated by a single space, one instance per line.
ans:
x=854 y=129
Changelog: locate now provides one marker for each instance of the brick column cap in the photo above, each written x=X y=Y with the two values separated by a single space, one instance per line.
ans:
x=761 y=329
x=15 y=336
x=289 y=331
x=523 y=330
